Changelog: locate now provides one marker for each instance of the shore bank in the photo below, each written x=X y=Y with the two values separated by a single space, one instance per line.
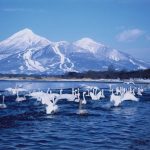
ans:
x=54 y=79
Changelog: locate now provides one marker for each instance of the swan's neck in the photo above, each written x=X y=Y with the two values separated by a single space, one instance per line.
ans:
x=3 y=99
x=61 y=92
x=84 y=96
x=17 y=93
x=47 y=90
x=73 y=92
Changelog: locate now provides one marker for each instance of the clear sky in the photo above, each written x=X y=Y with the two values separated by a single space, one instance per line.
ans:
x=121 y=24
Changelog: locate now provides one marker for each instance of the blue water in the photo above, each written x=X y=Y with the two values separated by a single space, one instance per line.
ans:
x=26 y=126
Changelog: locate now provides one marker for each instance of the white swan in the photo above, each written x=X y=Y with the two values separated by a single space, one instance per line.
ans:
x=51 y=106
x=77 y=93
x=36 y=95
x=118 y=99
x=118 y=91
x=102 y=94
x=82 y=111
x=3 y=105
x=95 y=96
x=15 y=90
x=47 y=99
x=129 y=96
x=115 y=99
x=48 y=90
x=139 y=92
x=84 y=100
x=69 y=97
x=20 y=99
x=88 y=92
x=110 y=87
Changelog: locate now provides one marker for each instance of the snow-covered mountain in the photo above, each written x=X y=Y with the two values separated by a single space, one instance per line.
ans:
x=26 y=52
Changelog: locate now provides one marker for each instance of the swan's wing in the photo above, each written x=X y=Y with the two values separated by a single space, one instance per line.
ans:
x=128 y=96
x=92 y=95
x=99 y=95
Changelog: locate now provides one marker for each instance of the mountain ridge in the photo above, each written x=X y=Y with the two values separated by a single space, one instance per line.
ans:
x=27 y=52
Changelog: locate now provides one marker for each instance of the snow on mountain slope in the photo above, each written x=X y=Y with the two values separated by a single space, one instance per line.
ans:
x=36 y=53
x=30 y=63
x=25 y=38
x=20 y=41
x=88 y=44
x=64 y=62
x=90 y=55
x=26 y=52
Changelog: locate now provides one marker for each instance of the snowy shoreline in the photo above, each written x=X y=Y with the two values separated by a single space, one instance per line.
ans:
x=53 y=79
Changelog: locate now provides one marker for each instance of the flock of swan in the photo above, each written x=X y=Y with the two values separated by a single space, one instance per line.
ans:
x=50 y=99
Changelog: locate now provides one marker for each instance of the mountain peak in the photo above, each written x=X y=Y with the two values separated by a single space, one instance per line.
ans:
x=25 y=31
x=24 y=38
x=88 y=44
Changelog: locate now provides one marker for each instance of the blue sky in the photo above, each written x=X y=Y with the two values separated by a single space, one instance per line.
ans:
x=121 y=24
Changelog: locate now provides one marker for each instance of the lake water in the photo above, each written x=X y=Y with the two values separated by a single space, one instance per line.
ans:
x=25 y=125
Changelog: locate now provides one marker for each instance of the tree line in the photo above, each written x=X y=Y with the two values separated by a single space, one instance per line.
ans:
x=110 y=74
x=145 y=74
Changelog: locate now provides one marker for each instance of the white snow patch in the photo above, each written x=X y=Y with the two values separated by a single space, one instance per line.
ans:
x=141 y=67
x=114 y=55
x=132 y=62
x=20 y=41
x=24 y=38
x=19 y=55
x=32 y=64
x=21 y=68
x=63 y=59
x=57 y=51
x=88 y=44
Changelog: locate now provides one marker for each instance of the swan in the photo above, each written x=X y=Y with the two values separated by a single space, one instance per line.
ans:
x=129 y=96
x=110 y=87
x=3 y=105
x=139 y=92
x=118 y=99
x=36 y=95
x=88 y=92
x=102 y=94
x=77 y=93
x=118 y=91
x=115 y=99
x=95 y=96
x=47 y=99
x=69 y=97
x=50 y=104
x=142 y=90
x=61 y=90
x=82 y=111
x=48 y=90
x=133 y=92
x=53 y=94
x=73 y=91
x=15 y=90
x=84 y=100
x=20 y=99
